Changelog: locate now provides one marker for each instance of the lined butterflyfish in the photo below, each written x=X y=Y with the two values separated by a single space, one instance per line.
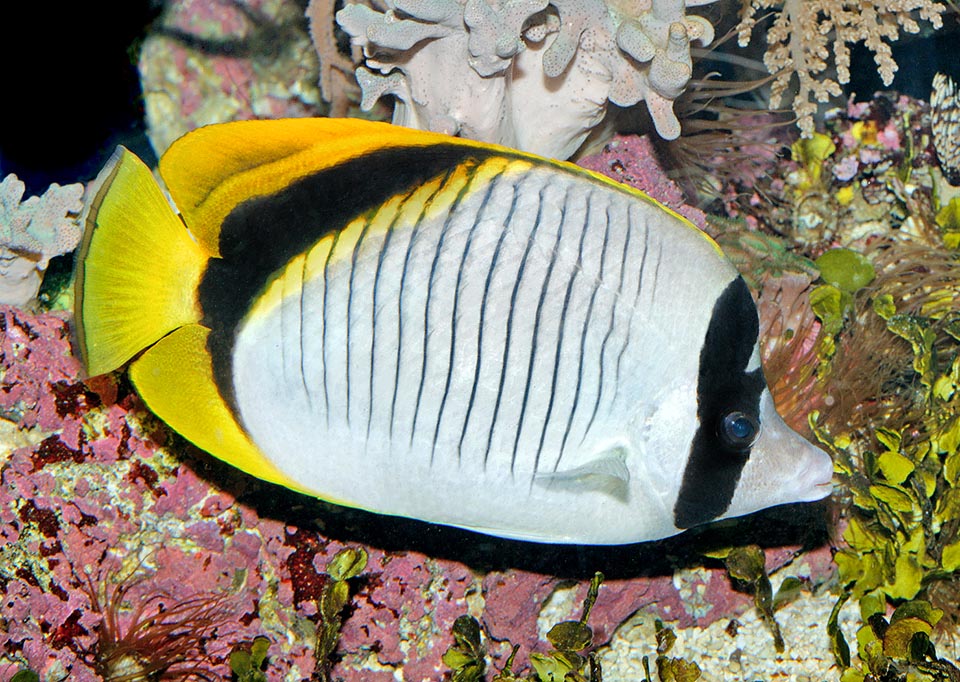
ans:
x=431 y=327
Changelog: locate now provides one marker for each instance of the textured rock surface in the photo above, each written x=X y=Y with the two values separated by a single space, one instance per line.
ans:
x=210 y=62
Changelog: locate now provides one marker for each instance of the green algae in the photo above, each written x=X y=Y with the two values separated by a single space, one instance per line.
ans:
x=248 y=666
x=466 y=658
x=25 y=675
x=903 y=528
x=670 y=669
x=346 y=564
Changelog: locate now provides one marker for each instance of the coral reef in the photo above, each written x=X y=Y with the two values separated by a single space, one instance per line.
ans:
x=91 y=484
x=808 y=39
x=875 y=351
x=209 y=62
x=33 y=232
x=530 y=74
x=873 y=173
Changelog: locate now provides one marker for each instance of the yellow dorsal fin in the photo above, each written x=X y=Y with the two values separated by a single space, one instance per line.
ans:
x=213 y=169
x=175 y=379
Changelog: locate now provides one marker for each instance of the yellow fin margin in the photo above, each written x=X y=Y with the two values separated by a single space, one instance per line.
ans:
x=175 y=379
x=211 y=170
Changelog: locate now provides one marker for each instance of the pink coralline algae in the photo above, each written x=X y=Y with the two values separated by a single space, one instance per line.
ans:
x=631 y=159
x=209 y=61
x=98 y=498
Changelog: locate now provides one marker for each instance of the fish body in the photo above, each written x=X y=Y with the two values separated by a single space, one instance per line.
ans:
x=435 y=328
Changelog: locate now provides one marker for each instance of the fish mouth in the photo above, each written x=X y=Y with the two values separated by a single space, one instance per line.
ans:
x=826 y=486
x=818 y=481
x=818 y=491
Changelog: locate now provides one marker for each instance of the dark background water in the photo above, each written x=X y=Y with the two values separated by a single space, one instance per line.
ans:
x=72 y=91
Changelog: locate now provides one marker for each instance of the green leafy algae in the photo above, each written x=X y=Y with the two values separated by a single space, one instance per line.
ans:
x=747 y=565
x=25 y=675
x=948 y=219
x=844 y=273
x=466 y=658
x=247 y=666
x=811 y=153
x=670 y=669
x=903 y=532
x=845 y=269
x=346 y=564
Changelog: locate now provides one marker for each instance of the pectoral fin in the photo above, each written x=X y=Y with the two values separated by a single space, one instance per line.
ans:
x=607 y=473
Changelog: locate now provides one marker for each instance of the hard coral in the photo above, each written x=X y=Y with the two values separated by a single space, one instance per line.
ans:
x=805 y=32
x=33 y=232
x=533 y=74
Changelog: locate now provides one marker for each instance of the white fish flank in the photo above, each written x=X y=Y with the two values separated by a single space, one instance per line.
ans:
x=485 y=351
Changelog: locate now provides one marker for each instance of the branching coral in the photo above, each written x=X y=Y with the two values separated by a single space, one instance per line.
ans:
x=534 y=74
x=804 y=33
x=33 y=232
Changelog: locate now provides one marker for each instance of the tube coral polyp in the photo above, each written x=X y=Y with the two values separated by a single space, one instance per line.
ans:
x=158 y=639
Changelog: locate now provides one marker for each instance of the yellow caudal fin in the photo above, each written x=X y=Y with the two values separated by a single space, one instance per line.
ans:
x=175 y=379
x=138 y=269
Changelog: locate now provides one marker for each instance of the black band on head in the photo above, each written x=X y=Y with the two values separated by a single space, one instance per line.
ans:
x=724 y=386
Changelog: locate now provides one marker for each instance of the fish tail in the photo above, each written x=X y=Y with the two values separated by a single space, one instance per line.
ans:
x=138 y=269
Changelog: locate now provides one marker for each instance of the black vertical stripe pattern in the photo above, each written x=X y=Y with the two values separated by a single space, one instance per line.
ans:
x=636 y=306
x=723 y=385
x=471 y=173
x=505 y=228
x=554 y=252
x=507 y=340
x=353 y=271
x=326 y=291
x=606 y=337
x=457 y=290
x=384 y=247
x=583 y=336
x=403 y=282
x=303 y=369
x=561 y=331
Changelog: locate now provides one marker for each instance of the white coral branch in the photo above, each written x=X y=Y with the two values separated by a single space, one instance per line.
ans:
x=33 y=232
x=534 y=74
x=806 y=36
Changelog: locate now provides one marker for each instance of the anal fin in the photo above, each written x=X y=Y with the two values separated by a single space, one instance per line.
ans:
x=175 y=379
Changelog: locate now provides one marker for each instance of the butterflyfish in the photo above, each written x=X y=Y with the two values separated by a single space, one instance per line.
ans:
x=431 y=327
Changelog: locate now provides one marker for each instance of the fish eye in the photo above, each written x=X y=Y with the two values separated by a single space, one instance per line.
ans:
x=738 y=430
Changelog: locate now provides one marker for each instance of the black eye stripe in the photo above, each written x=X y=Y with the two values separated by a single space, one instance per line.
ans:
x=724 y=386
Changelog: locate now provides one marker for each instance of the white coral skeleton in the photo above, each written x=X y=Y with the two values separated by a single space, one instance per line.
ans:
x=31 y=233
x=536 y=75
